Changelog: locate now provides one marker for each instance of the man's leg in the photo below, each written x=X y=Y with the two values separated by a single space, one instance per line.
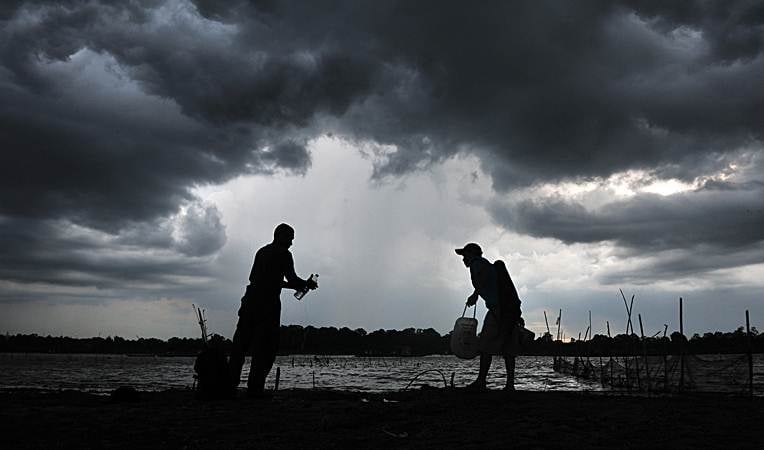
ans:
x=487 y=344
x=265 y=349
x=242 y=338
x=509 y=362
x=485 y=364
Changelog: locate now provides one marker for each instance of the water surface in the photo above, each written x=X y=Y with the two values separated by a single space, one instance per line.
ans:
x=103 y=373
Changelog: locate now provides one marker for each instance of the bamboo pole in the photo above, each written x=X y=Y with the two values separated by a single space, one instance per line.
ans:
x=547 y=324
x=750 y=355
x=610 y=352
x=629 y=326
x=636 y=361
x=631 y=308
x=681 y=346
x=644 y=351
x=278 y=377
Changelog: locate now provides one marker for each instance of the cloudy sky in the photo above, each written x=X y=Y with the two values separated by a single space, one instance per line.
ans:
x=148 y=148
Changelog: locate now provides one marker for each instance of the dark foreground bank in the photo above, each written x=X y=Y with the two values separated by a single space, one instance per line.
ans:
x=414 y=419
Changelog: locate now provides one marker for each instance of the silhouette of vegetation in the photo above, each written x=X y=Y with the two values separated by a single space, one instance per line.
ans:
x=623 y=344
x=296 y=339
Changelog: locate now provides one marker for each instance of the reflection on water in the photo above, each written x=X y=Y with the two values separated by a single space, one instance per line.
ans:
x=392 y=374
x=103 y=373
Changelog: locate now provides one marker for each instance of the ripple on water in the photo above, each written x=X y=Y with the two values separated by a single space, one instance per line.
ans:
x=103 y=373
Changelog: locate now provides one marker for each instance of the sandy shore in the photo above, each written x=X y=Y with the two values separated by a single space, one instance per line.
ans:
x=413 y=419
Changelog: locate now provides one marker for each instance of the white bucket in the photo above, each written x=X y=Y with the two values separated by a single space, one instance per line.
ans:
x=464 y=341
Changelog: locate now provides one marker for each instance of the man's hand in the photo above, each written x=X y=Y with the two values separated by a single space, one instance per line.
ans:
x=472 y=299
x=312 y=284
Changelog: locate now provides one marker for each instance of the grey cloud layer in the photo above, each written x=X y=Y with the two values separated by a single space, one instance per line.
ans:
x=113 y=111
x=162 y=253
x=718 y=226
x=727 y=216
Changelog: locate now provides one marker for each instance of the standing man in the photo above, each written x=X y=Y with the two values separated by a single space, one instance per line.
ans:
x=260 y=312
x=499 y=335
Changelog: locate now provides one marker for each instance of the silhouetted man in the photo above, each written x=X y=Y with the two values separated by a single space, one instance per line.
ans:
x=260 y=312
x=499 y=335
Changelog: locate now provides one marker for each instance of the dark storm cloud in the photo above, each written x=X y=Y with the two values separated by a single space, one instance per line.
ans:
x=720 y=214
x=160 y=253
x=718 y=226
x=290 y=155
x=112 y=111
x=670 y=265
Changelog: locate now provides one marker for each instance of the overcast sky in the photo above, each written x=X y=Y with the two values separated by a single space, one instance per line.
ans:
x=148 y=149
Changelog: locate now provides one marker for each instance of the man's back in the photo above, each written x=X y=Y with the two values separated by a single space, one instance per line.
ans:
x=484 y=281
x=272 y=264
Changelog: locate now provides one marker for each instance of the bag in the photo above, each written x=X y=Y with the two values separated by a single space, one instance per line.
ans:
x=526 y=335
x=212 y=378
x=464 y=341
x=509 y=301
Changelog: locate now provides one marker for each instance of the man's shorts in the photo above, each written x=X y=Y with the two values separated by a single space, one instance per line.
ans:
x=496 y=340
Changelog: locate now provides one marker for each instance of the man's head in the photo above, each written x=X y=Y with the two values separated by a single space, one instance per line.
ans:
x=469 y=252
x=283 y=235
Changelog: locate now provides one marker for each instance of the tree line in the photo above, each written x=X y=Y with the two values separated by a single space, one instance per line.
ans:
x=737 y=341
x=296 y=339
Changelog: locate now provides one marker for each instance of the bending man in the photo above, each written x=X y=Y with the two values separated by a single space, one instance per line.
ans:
x=260 y=312
x=499 y=335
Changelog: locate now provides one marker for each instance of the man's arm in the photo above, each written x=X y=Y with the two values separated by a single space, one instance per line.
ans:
x=292 y=280
x=479 y=280
x=473 y=298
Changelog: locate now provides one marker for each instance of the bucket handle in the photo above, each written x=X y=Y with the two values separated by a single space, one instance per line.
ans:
x=474 y=311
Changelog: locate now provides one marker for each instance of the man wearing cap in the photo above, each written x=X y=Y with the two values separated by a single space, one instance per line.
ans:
x=260 y=313
x=498 y=336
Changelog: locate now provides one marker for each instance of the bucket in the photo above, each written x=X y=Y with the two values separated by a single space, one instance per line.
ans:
x=464 y=341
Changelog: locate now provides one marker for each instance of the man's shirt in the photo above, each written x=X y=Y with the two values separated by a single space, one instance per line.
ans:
x=485 y=281
x=272 y=264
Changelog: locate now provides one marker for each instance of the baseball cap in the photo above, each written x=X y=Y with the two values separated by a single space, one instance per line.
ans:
x=470 y=249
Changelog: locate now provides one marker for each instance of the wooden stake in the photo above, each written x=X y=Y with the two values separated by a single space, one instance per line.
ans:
x=628 y=313
x=547 y=323
x=631 y=308
x=681 y=346
x=278 y=377
x=644 y=351
x=750 y=355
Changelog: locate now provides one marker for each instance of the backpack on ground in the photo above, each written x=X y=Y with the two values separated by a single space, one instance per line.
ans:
x=212 y=379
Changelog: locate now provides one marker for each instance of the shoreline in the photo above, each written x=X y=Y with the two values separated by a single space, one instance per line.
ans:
x=422 y=418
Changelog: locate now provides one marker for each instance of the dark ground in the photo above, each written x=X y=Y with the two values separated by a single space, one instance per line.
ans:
x=415 y=419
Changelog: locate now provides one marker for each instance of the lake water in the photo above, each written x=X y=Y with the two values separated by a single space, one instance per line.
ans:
x=103 y=373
